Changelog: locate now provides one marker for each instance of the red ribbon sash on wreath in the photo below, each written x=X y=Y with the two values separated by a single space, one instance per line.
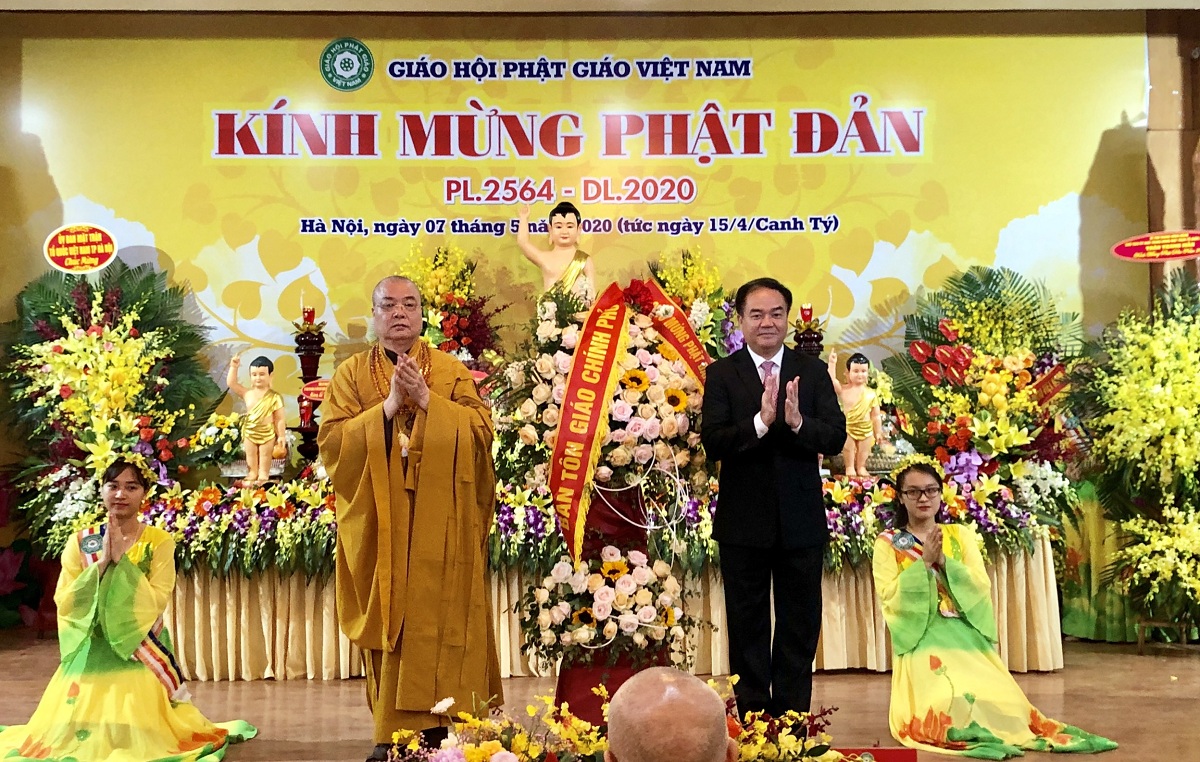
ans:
x=584 y=419
x=678 y=333
x=1051 y=384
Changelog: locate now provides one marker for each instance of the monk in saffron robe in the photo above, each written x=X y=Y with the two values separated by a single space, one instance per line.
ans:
x=407 y=443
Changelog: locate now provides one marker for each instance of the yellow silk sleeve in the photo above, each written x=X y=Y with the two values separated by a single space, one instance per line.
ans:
x=908 y=596
x=967 y=579
x=75 y=597
x=132 y=598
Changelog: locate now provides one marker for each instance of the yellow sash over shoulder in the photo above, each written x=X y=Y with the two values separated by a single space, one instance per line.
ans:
x=259 y=427
x=858 y=417
x=566 y=282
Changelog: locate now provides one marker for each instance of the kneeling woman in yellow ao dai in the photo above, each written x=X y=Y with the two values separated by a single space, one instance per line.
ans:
x=951 y=693
x=117 y=695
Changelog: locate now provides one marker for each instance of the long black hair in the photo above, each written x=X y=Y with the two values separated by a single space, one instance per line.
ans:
x=901 y=520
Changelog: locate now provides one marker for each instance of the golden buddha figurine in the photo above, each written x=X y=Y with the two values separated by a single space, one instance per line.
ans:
x=564 y=266
x=264 y=429
x=864 y=426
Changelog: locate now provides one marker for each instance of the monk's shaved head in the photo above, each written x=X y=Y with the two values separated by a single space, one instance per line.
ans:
x=664 y=714
x=397 y=313
x=381 y=287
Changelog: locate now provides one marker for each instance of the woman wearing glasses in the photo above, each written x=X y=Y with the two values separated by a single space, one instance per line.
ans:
x=950 y=691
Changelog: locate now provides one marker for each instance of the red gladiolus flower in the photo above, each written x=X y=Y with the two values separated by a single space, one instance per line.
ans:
x=943 y=456
x=947 y=329
x=144 y=421
x=65 y=391
x=944 y=354
x=165 y=455
x=920 y=351
x=182 y=443
x=932 y=373
x=163 y=444
x=146 y=434
x=935 y=411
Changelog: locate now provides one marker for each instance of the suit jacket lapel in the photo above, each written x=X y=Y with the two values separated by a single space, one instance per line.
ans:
x=748 y=373
x=790 y=370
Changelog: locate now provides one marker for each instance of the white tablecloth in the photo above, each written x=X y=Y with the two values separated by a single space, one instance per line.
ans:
x=268 y=627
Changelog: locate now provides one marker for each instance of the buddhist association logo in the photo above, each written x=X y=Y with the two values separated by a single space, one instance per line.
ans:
x=347 y=64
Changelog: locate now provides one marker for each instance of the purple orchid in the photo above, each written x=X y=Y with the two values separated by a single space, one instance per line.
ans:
x=963 y=467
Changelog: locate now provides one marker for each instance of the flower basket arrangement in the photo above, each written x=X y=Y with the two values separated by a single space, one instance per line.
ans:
x=550 y=734
x=525 y=533
x=650 y=454
x=556 y=734
x=289 y=526
x=97 y=367
x=620 y=604
x=457 y=319
x=1136 y=396
x=791 y=737
x=695 y=285
x=980 y=386
x=219 y=440
x=850 y=515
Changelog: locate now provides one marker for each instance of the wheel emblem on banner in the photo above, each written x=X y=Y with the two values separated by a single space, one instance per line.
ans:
x=347 y=64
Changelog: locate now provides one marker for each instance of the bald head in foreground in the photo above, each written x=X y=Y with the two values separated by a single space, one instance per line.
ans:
x=665 y=714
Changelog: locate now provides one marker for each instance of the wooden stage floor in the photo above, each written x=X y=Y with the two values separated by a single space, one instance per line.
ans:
x=1147 y=703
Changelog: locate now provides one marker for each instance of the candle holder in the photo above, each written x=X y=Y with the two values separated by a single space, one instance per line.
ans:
x=310 y=345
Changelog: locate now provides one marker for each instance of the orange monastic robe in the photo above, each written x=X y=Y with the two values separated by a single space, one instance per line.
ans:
x=412 y=536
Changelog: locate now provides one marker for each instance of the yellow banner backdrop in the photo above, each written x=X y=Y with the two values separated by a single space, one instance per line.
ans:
x=857 y=159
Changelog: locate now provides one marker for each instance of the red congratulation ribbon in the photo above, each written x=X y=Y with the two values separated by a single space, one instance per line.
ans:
x=586 y=398
x=678 y=333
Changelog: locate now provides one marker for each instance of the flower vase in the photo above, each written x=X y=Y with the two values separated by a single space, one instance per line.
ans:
x=576 y=681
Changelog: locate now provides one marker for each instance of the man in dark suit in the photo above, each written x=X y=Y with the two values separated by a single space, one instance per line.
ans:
x=769 y=412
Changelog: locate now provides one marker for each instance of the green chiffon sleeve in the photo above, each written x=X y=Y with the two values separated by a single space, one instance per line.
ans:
x=968 y=581
x=908 y=597
x=77 y=599
x=131 y=600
